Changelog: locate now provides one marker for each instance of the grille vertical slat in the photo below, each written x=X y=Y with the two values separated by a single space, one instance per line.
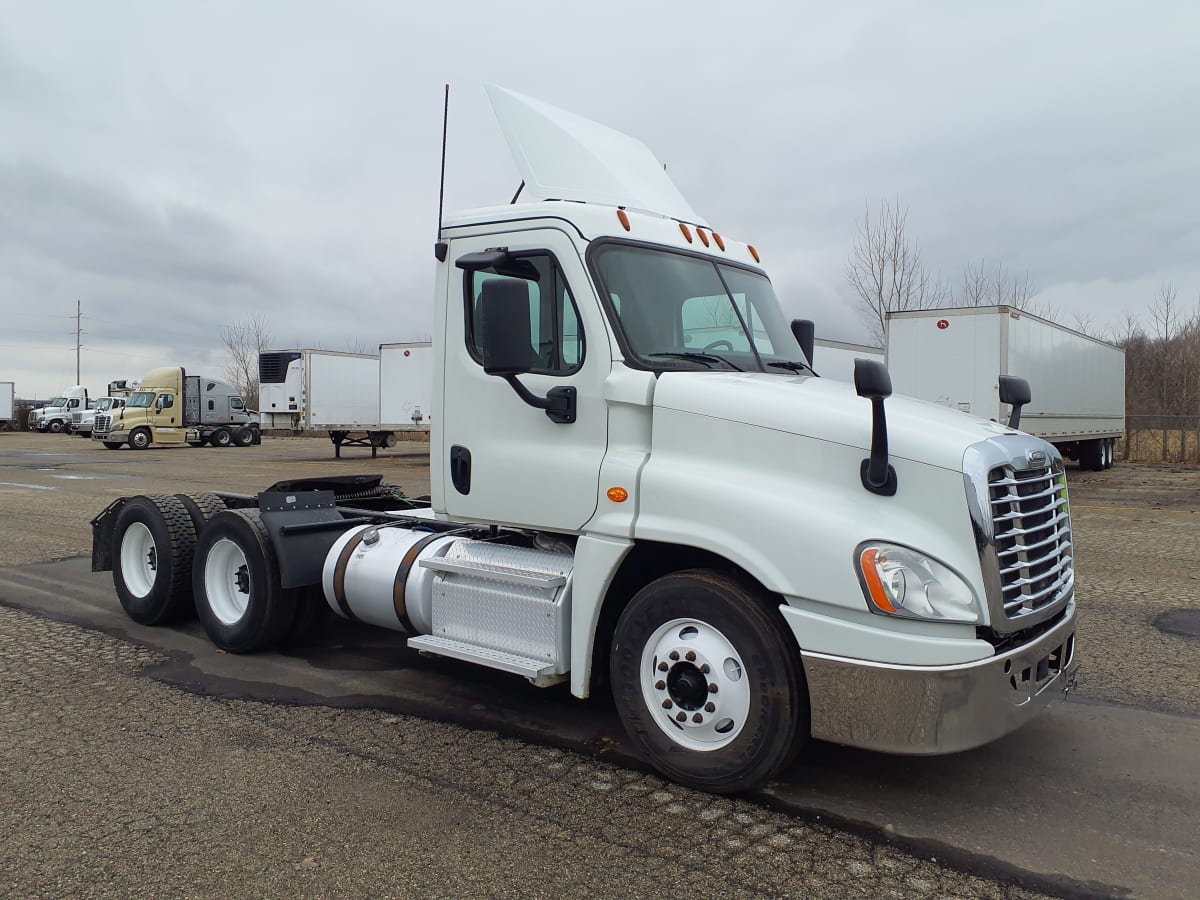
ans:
x=1032 y=535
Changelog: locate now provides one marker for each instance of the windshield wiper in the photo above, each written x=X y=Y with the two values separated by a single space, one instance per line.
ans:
x=705 y=358
x=794 y=366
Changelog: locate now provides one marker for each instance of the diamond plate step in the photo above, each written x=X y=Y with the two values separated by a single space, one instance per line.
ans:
x=538 y=671
x=494 y=572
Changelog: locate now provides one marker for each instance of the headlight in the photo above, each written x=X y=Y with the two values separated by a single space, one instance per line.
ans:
x=117 y=426
x=900 y=581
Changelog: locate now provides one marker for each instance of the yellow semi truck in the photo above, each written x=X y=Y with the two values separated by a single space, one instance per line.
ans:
x=172 y=407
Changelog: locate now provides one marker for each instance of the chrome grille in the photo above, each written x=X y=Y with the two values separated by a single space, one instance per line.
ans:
x=101 y=423
x=1032 y=538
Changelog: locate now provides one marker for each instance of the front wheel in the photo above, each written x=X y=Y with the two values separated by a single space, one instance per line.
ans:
x=140 y=439
x=55 y=427
x=708 y=682
x=114 y=445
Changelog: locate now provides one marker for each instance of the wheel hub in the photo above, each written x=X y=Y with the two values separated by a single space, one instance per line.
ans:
x=152 y=559
x=243 y=580
x=687 y=686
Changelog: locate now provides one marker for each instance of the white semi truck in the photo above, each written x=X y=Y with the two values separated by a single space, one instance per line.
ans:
x=82 y=420
x=356 y=398
x=55 y=416
x=746 y=555
x=956 y=357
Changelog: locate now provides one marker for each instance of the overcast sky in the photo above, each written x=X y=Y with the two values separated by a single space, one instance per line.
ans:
x=179 y=166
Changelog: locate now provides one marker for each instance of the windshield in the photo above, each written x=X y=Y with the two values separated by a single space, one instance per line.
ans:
x=141 y=400
x=103 y=403
x=57 y=401
x=677 y=311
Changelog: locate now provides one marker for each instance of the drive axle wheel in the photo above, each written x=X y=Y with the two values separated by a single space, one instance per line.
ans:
x=221 y=438
x=152 y=544
x=708 y=682
x=244 y=436
x=235 y=579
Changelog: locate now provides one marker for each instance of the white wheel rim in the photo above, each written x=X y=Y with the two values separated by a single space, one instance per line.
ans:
x=227 y=581
x=691 y=669
x=139 y=559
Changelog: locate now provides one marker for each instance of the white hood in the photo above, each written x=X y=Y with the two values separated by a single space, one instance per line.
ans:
x=563 y=156
x=828 y=410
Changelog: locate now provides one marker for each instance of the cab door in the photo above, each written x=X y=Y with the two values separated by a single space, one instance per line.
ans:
x=503 y=460
x=167 y=421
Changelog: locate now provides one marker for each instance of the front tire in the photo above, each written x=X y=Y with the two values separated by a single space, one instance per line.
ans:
x=708 y=647
x=235 y=580
x=152 y=543
x=140 y=439
x=55 y=427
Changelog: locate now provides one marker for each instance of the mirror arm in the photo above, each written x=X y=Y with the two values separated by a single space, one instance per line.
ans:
x=559 y=403
x=876 y=472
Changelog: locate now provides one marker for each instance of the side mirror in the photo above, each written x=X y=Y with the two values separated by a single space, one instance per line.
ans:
x=805 y=333
x=504 y=326
x=158 y=405
x=872 y=381
x=1015 y=392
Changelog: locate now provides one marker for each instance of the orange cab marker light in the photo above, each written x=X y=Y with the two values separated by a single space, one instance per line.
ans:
x=624 y=219
x=867 y=563
x=618 y=494
x=703 y=236
x=720 y=243
x=753 y=252
x=687 y=232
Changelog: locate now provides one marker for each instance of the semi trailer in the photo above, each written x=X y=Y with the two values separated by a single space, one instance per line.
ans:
x=956 y=357
x=8 y=412
x=356 y=398
x=746 y=555
x=171 y=407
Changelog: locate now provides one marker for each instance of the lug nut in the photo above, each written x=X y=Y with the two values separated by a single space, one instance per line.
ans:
x=697 y=718
x=710 y=707
x=667 y=704
x=662 y=667
x=681 y=717
x=712 y=688
x=659 y=685
x=674 y=654
x=691 y=656
x=703 y=668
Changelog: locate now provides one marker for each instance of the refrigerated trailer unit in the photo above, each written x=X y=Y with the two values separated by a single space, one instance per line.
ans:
x=8 y=413
x=955 y=357
x=356 y=398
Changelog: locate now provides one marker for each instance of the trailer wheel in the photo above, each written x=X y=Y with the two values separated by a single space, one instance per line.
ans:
x=114 y=445
x=243 y=437
x=1091 y=455
x=708 y=682
x=152 y=545
x=221 y=437
x=1108 y=452
x=140 y=438
x=235 y=579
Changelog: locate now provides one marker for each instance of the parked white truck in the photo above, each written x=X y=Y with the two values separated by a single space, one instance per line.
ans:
x=955 y=357
x=55 y=416
x=745 y=554
x=356 y=398
x=82 y=420
x=8 y=412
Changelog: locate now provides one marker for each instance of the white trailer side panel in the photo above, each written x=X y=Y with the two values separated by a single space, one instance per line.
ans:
x=406 y=386
x=341 y=391
x=6 y=401
x=835 y=359
x=1077 y=382
x=951 y=357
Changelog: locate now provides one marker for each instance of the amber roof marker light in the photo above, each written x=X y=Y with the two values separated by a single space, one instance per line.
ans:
x=753 y=252
x=624 y=219
x=687 y=232
x=703 y=237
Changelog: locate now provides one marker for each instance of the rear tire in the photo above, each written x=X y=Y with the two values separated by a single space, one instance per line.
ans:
x=235 y=580
x=140 y=438
x=201 y=507
x=682 y=636
x=243 y=437
x=220 y=438
x=152 y=543
x=1091 y=455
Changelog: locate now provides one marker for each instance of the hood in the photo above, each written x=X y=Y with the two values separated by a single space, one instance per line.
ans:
x=826 y=410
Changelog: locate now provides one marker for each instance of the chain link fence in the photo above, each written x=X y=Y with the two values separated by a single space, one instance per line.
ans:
x=1163 y=439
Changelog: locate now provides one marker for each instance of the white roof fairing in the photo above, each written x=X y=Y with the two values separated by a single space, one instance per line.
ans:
x=563 y=156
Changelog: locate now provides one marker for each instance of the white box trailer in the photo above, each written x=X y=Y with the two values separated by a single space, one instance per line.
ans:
x=955 y=357
x=835 y=359
x=406 y=386
x=7 y=412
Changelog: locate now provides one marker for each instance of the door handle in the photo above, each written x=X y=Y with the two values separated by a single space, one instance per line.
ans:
x=460 y=469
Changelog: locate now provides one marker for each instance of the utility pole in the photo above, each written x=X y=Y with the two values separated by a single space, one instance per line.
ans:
x=78 y=341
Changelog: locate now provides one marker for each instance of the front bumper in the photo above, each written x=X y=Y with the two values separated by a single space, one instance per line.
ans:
x=938 y=709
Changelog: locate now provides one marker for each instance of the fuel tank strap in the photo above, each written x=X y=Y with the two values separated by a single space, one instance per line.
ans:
x=339 y=576
x=398 y=599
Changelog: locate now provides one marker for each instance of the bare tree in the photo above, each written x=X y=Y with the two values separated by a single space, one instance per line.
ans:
x=982 y=285
x=243 y=341
x=885 y=268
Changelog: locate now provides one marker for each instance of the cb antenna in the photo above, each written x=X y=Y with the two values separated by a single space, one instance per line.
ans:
x=441 y=248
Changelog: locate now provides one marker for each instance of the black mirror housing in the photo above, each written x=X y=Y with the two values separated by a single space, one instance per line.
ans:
x=805 y=333
x=871 y=379
x=1014 y=391
x=504 y=315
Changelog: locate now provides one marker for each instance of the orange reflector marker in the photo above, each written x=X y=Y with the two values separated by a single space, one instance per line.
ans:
x=703 y=237
x=624 y=219
x=753 y=253
x=867 y=563
x=687 y=232
x=720 y=243
x=618 y=494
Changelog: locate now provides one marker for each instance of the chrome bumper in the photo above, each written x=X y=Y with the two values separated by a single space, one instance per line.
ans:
x=938 y=709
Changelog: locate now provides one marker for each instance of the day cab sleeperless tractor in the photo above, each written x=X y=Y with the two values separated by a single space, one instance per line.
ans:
x=747 y=555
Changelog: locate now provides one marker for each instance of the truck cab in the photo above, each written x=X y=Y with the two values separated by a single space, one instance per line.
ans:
x=55 y=416
x=82 y=421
